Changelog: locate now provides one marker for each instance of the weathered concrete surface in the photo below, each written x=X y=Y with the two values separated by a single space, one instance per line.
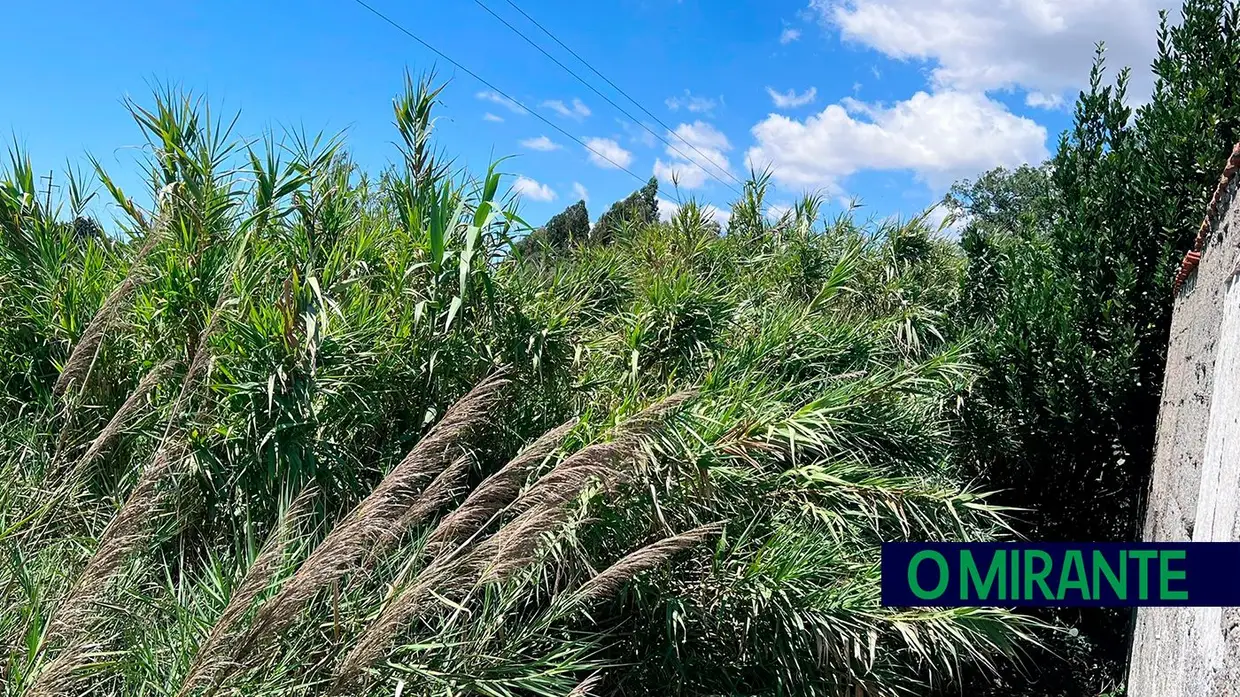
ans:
x=1195 y=488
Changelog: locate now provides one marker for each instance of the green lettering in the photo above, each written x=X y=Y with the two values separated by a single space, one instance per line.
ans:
x=1073 y=562
x=1037 y=576
x=1119 y=584
x=1166 y=575
x=912 y=574
x=1143 y=583
x=1014 y=580
x=969 y=573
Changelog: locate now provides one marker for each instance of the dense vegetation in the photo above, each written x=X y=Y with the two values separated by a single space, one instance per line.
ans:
x=295 y=428
x=1068 y=287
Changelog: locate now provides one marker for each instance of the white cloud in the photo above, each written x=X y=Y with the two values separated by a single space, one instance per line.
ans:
x=533 y=190
x=668 y=208
x=979 y=45
x=490 y=96
x=492 y=117
x=690 y=102
x=1041 y=100
x=789 y=35
x=577 y=110
x=940 y=137
x=789 y=99
x=580 y=193
x=607 y=153
x=697 y=152
x=541 y=144
x=679 y=173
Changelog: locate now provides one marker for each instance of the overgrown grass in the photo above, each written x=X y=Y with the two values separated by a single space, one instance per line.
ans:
x=273 y=437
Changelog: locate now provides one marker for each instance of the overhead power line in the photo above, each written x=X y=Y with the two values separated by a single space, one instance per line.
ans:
x=495 y=89
x=616 y=87
x=619 y=108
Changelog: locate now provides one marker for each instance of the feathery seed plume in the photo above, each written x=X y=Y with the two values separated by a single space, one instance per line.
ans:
x=352 y=539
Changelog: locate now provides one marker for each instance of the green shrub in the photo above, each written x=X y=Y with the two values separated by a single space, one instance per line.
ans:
x=1068 y=289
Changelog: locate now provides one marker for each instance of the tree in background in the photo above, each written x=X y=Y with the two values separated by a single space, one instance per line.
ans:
x=1001 y=208
x=565 y=229
x=568 y=227
x=1068 y=288
x=640 y=208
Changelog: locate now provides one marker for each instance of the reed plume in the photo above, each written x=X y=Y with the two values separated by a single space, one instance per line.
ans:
x=127 y=531
x=542 y=510
x=443 y=488
x=83 y=353
x=130 y=527
x=605 y=583
x=368 y=524
x=586 y=687
x=211 y=660
x=59 y=677
x=599 y=462
x=495 y=492
x=119 y=420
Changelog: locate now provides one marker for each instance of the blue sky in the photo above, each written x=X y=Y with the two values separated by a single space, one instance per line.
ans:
x=887 y=101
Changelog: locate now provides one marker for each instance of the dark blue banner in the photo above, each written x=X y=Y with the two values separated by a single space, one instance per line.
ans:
x=1000 y=574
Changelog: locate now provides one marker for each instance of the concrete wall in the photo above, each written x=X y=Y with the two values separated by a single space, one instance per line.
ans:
x=1195 y=489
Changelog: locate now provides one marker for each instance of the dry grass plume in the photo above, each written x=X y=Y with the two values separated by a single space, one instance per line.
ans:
x=82 y=355
x=542 y=510
x=211 y=660
x=370 y=522
x=606 y=583
x=495 y=492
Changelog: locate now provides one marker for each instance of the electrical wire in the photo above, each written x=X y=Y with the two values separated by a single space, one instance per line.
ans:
x=616 y=87
x=619 y=108
x=495 y=89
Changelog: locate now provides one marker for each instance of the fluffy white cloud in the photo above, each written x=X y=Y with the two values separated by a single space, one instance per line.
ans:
x=1040 y=100
x=496 y=97
x=789 y=99
x=690 y=102
x=607 y=153
x=576 y=110
x=789 y=35
x=668 y=208
x=580 y=193
x=940 y=137
x=679 y=173
x=533 y=190
x=492 y=117
x=541 y=144
x=697 y=152
x=977 y=45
